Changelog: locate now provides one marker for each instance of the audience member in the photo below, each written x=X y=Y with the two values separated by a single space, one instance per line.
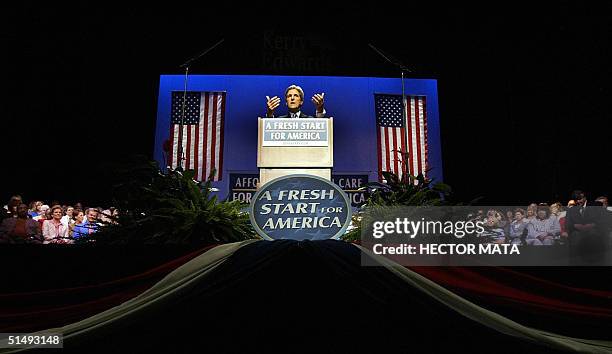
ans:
x=53 y=230
x=68 y=215
x=20 y=229
x=518 y=227
x=42 y=213
x=493 y=228
x=604 y=202
x=538 y=225
x=532 y=211
x=10 y=209
x=78 y=217
x=35 y=208
x=88 y=227
x=105 y=216
x=587 y=232
x=114 y=215
x=557 y=210
x=45 y=214
x=543 y=229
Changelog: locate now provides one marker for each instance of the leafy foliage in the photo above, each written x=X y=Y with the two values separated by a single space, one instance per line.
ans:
x=413 y=191
x=408 y=191
x=157 y=207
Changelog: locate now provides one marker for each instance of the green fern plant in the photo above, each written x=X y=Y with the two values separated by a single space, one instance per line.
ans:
x=156 y=207
x=408 y=191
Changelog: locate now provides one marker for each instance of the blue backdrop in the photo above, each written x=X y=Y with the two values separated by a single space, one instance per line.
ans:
x=350 y=100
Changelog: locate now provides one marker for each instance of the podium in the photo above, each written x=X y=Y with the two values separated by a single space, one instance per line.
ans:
x=288 y=146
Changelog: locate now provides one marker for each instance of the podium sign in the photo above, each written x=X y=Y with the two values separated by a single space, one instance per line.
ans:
x=288 y=146
x=295 y=132
x=305 y=152
x=300 y=207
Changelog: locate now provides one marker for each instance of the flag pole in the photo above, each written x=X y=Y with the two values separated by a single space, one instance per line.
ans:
x=403 y=68
x=405 y=158
x=181 y=155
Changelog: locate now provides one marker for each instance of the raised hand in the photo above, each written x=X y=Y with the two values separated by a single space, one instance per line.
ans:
x=272 y=104
x=318 y=100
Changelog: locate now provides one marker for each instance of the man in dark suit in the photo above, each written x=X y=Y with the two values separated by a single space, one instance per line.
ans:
x=586 y=225
x=294 y=98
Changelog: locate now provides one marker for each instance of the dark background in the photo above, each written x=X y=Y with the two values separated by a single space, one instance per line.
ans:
x=523 y=90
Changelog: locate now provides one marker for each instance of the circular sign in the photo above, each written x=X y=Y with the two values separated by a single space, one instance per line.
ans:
x=300 y=207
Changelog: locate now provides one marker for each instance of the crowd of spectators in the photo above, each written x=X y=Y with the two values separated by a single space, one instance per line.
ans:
x=51 y=223
x=536 y=225
x=539 y=224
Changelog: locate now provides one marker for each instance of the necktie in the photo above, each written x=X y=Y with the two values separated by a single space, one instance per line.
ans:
x=293 y=115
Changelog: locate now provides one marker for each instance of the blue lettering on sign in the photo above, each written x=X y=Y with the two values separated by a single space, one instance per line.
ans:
x=300 y=207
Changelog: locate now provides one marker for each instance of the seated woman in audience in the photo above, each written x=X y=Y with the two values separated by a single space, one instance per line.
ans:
x=54 y=231
x=532 y=210
x=518 y=227
x=67 y=215
x=20 y=229
x=543 y=229
x=78 y=217
x=494 y=226
x=557 y=211
x=34 y=210
x=43 y=213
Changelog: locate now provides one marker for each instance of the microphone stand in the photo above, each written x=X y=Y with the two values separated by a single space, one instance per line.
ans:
x=403 y=68
x=186 y=65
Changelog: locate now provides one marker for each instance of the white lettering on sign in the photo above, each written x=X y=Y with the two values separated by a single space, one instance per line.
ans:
x=312 y=125
x=299 y=194
x=265 y=195
x=357 y=198
x=243 y=197
x=246 y=182
x=306 y=222
x=349 y=183
x=304 y=136
x=285 y=125
x=299 y=208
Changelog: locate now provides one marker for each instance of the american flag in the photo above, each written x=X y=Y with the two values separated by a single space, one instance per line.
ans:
x=202 y=133
x=393 y=135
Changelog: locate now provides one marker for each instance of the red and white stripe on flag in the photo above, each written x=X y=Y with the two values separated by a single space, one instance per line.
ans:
x=417 y=134
x=202 y=142
x=391 y=141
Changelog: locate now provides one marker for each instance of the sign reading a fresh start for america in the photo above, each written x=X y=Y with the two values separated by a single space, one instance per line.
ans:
x=300 y=207
x=295 y=132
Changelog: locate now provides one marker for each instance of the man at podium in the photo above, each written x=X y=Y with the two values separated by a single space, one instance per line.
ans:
x=294 y=97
